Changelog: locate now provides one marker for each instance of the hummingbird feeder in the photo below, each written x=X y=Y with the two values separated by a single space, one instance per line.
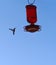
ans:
x=31 y=14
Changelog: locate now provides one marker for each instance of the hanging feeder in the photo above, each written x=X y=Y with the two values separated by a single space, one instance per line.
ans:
x=31 y=18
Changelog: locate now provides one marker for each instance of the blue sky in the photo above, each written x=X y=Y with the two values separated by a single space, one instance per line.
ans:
x=26 y=48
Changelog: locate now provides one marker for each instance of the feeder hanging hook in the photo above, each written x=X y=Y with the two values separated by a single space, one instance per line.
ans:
x=31 y=3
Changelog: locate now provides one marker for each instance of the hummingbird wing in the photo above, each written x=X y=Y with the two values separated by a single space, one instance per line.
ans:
x=11 y=29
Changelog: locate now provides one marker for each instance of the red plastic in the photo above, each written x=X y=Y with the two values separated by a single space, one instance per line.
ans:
x=31 y=13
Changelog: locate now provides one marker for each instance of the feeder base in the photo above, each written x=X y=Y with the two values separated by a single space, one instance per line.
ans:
x=32 y=28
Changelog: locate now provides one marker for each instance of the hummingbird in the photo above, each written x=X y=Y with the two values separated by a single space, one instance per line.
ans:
x=13 y=30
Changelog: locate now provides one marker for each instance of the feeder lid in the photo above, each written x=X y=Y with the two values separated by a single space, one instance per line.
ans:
x=30 y=6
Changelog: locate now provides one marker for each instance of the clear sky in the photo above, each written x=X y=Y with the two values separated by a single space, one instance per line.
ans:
x=26 y=48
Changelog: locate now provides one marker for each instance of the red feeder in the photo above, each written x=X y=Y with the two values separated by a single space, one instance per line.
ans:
x=31 y=18
x=31 y=13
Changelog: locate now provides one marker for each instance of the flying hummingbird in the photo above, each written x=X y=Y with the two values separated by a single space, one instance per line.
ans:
x=13 y=30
